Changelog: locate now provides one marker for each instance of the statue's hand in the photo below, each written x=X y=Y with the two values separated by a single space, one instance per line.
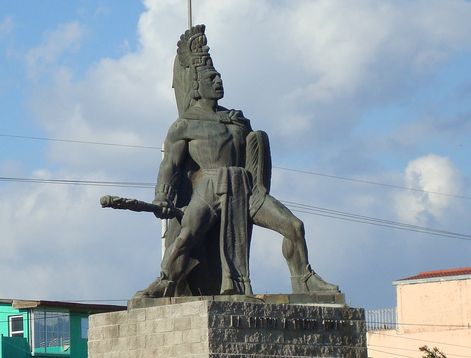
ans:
x=167 y=209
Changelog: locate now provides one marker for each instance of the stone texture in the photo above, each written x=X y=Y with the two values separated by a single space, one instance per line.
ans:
x=231 y=328
x=311 y=298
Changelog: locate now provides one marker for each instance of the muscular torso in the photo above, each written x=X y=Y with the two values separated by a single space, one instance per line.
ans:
x=209 y=140
x=212 y=144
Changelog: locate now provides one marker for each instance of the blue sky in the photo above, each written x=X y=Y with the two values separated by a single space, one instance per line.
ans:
x=377 y=91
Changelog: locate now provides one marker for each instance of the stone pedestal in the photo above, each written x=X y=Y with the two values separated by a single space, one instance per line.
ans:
x=229 y=326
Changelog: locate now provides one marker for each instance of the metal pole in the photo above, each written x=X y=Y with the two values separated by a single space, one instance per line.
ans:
x=190 y=15
x=164 y=222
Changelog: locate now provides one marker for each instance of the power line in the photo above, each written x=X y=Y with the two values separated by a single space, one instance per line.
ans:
x=421 y=340
x=79 y=182
x=80 y=141
x=418 y=324
x=308 y=172
x=298 y=207
x=315 y=210
x=363 y=181
x=383 y=225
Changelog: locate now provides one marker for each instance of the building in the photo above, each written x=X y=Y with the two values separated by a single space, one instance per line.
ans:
x=46 y=328
x=433 y=309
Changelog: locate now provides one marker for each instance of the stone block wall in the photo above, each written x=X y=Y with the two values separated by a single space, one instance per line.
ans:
x=179 y=330
x=217 y=329
x=279 y=330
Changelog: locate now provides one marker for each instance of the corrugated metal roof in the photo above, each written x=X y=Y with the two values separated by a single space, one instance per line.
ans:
x=439 y=273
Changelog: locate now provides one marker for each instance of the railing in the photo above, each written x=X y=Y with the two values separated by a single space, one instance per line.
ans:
x=381 y=319
x=55 y=342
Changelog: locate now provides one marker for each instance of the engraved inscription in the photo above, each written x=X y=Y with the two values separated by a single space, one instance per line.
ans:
x=306 y=324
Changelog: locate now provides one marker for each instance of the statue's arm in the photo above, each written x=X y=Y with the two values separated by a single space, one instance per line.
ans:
x=258 y=164
x=176 y=151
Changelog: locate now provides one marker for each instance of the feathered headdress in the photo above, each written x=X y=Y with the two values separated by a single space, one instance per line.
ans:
x=192 y=49
x=192 y=55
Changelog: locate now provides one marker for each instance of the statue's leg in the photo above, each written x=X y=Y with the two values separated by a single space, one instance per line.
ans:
x=275 y=216
x=197 y=220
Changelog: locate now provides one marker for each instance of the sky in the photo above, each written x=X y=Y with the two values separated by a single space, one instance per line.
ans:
x=366 y=103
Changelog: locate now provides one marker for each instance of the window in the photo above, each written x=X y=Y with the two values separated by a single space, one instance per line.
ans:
x=84 y=327
x=15 y=325
x=51 y=331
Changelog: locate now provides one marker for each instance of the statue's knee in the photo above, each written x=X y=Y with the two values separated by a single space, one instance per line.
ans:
x=297 y=229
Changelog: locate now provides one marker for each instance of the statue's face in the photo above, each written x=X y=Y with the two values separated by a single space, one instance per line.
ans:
x=210 y=84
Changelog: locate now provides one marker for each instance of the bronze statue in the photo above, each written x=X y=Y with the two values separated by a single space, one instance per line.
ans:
x=218 y=171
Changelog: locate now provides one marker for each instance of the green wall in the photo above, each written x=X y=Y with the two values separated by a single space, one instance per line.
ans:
x=78 y=346
x=7 y=310
x=14 y=347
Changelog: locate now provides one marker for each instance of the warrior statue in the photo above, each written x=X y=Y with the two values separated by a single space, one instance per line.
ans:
x=218 y=171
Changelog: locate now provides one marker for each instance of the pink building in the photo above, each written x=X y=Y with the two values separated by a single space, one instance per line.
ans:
x=433 y=309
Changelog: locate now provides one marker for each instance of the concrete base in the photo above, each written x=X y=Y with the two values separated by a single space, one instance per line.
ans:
x=322 y=297
x=235 y=326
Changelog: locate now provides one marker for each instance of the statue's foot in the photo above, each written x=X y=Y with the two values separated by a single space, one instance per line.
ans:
x=161 y=287
x=311 y=282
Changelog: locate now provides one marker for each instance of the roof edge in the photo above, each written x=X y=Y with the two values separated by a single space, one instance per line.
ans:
x=73 y=306
x=431 y=279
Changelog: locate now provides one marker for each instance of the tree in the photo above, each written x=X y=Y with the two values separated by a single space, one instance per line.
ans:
x=431 y=353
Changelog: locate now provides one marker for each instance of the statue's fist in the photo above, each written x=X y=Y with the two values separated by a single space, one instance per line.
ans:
x=166 y=209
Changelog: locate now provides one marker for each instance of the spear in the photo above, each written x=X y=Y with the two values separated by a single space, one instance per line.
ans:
x=117 y=202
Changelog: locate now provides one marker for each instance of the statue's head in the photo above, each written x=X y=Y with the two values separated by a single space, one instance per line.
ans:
x=194 y=75
x=209 y=85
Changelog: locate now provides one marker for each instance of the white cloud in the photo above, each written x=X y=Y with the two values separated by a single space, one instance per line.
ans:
x=351 y=46
x=431 y=173
x=346 y=56
x=6 y=26
x=65 y=38
x=308 y=79
x=58 y=243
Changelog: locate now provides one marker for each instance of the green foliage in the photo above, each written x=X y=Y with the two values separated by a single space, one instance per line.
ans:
x=431 y=353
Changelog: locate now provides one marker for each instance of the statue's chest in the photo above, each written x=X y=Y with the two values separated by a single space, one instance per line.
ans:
x=217 y=133
x=213 y=144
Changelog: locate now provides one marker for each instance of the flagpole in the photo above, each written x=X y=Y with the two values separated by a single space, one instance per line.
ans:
x=190 y=15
